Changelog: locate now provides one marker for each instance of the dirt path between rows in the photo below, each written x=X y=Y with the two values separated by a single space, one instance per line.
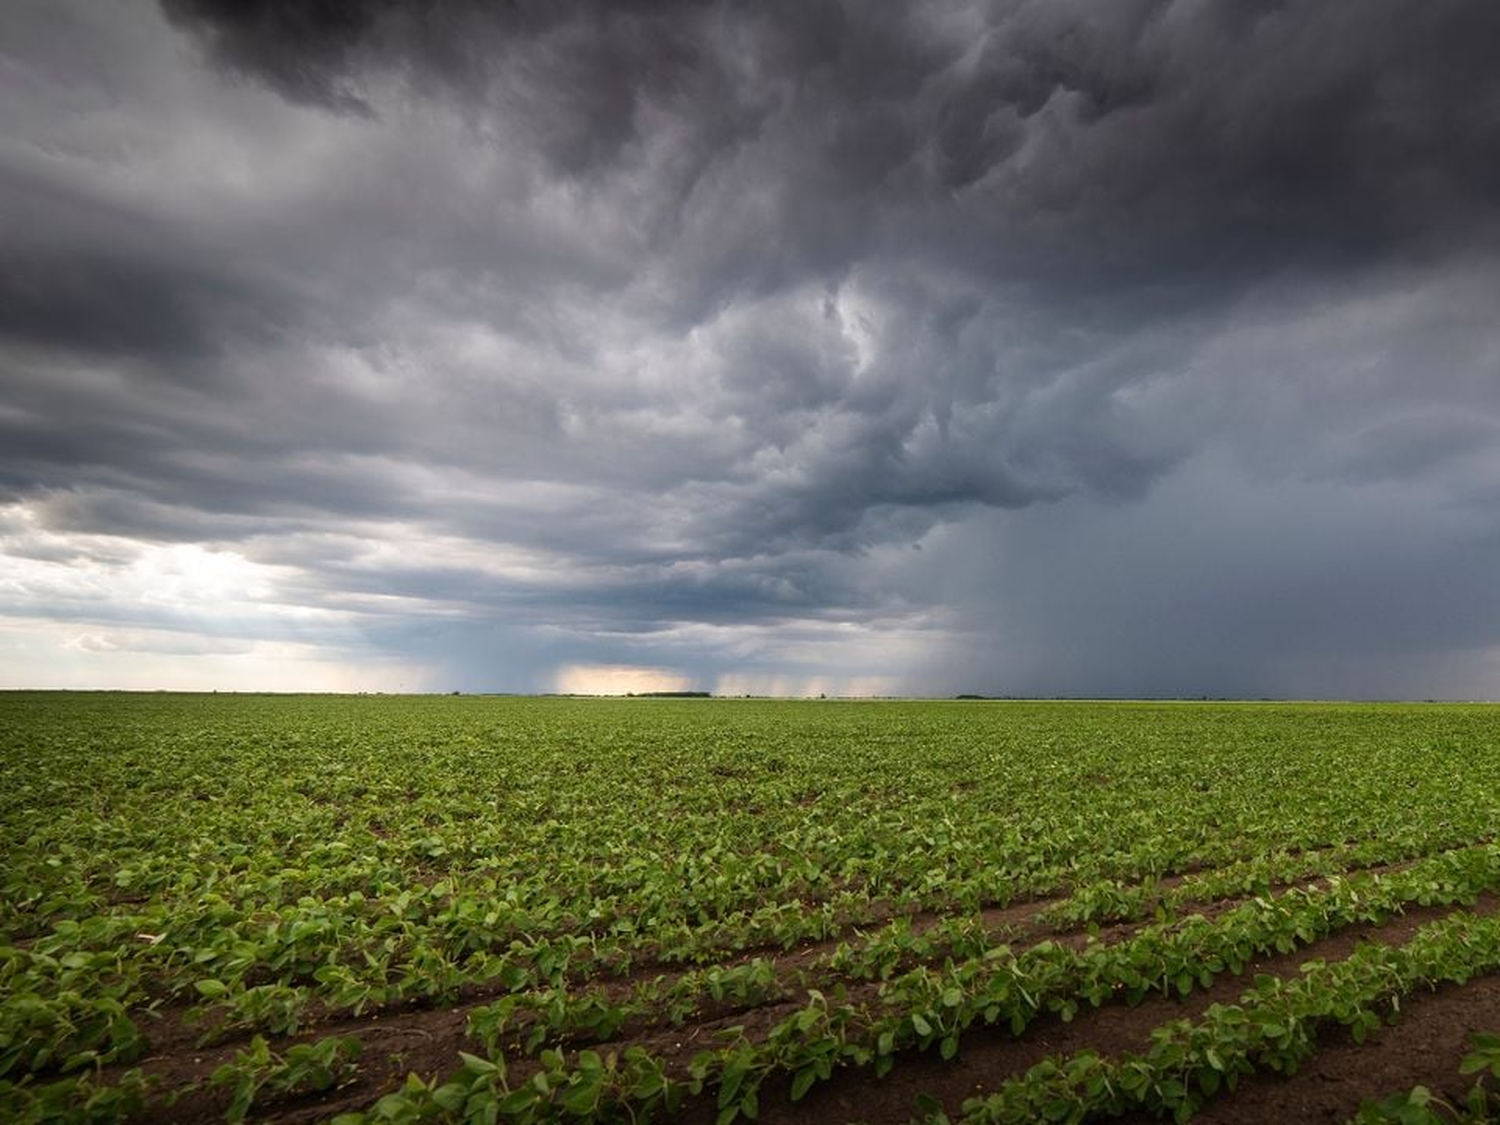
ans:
x=425 y=1040
x=989 y=1056
x=1423 y=1047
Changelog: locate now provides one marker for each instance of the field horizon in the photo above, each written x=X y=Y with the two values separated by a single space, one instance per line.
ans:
x=964 y=697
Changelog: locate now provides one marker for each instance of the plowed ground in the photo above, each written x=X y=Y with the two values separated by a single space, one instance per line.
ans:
x=1423 y=1046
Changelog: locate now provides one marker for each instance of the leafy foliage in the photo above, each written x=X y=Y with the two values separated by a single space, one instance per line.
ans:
x=270 y=861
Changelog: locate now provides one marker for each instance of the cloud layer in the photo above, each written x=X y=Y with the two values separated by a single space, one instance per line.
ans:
x=1011 y=347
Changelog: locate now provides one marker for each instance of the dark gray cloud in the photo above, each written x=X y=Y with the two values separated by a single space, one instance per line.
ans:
x=956 y=344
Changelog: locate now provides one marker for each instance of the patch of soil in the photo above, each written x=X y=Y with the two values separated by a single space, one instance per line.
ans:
x=424 y=1042
x=989 y=1056
x=424 y=1039
x=1423 y=1047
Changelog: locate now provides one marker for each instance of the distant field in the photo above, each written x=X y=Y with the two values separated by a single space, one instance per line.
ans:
x=440 y=908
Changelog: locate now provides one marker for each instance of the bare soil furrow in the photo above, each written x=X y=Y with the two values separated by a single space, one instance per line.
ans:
x=1423 y=1047
x=989 y=1056
x=1019 y=924
x=426 y=1041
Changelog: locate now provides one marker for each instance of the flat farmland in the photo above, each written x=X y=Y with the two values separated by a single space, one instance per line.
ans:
x=304 y=908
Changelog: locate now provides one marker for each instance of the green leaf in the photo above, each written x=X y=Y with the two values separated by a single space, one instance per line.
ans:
x=478 y=1065
x=729 y=1084
x=582 y=1099
x=802 y=1082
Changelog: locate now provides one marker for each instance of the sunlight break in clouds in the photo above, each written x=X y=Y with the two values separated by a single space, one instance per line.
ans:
x=618 y=679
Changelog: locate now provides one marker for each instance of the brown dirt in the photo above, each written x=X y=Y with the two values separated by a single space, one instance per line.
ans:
x=426 y=1042
x=989 y=1056
x=423 y=1042
x=1422 y=1048
x=424 y=1039
x=1024 y=914
x=1020 y=922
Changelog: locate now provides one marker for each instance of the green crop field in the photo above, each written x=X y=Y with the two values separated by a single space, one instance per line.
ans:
x=437 y=908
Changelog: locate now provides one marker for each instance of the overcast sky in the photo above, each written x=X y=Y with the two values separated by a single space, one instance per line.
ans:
x=1052 y=347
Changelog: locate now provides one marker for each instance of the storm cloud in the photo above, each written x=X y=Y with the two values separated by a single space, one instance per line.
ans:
x=1052 y=348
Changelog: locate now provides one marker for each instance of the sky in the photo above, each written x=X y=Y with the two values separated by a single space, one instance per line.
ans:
x=800 y=347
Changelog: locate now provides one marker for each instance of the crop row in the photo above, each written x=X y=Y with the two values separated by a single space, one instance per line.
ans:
x=429 y=945
x=933 y=1009
x=259 y=816
x=529 y=1020
x=1273 y=1027
x=579 y=869
x=84 y=1020
x=916 y=1009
